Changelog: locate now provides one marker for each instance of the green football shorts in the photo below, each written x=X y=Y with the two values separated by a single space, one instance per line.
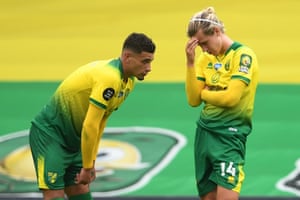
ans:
x=55 y=166
x=219 y=160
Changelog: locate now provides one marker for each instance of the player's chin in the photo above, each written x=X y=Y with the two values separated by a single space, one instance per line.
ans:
x=140 y=78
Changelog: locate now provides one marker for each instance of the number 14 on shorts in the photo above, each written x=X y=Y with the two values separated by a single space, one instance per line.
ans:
x=227 y=168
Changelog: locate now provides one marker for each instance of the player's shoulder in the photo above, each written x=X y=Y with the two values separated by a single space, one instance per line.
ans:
x=98 y=63
x=240 y=48
x=109 y=67
x=109 y=71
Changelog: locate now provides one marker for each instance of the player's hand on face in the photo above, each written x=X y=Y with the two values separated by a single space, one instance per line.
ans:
x=85 y=176
x=190 y=51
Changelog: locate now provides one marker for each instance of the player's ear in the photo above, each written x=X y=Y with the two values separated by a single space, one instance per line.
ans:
x=126 y=56
x=127 y=53
x=217 y=30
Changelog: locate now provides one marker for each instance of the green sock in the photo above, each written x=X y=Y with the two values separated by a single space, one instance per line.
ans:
x=85 y=196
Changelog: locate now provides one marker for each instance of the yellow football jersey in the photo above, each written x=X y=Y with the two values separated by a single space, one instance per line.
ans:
x=100 y=83
x=238 y=62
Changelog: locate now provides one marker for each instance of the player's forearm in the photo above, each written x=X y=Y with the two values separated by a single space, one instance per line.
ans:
x=193 y=87
x=224 y=98
x=217 y=98
x=91 y=135
x=92 y=131
x=88 y=146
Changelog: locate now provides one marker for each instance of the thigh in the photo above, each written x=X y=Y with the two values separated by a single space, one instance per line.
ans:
x=203 y=167
x=224 y=194
x=50 y=160
x=53 y=194
x=227 y=154
x=73 y=168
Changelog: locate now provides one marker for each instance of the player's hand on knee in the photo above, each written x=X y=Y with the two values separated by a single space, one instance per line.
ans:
x=85 y=176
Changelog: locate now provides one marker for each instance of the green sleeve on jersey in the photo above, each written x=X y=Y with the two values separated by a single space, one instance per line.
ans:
x=93 y=101
x=200 y=78
x=243 y=78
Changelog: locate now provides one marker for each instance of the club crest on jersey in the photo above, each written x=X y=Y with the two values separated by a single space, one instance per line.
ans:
x=121 y=93
x=245 y=63
x=108 y=93
x=215 y=78
x=124 y=93
x=227 y=65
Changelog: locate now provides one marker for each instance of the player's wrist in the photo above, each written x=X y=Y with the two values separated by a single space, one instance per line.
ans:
x=190 y=64
x=88 y=169
x=88 y=165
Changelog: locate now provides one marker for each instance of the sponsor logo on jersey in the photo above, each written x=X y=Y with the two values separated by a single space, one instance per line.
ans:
x=217 y=66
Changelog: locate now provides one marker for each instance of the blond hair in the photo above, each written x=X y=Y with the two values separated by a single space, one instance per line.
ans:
x=206 y=20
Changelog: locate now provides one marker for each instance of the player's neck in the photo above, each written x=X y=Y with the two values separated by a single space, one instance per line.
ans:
x=227 y=42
